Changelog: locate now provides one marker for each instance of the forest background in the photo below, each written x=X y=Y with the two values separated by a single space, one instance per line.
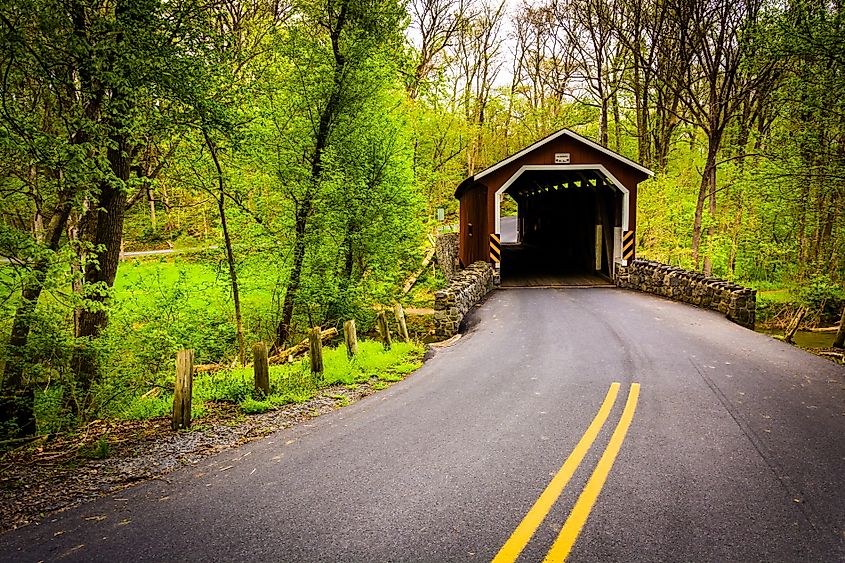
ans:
x=300 y=149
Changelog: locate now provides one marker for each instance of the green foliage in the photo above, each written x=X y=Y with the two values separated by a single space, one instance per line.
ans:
x=252 y=406
x=101 y=449
x=148 y=407
x=824 y=299
x=232 y=386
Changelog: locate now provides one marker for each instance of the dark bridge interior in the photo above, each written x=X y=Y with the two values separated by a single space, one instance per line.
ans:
x=557 y=229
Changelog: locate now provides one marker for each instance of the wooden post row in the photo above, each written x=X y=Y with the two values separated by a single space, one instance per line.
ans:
x=383 y=330
x=261 y=368
x=350 y=336
x=400 y=320
x=316 y=350
x=184 y=389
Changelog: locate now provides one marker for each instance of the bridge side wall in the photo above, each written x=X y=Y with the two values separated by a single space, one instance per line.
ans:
x=446 y=251
x=738 y=303
x=452 y=303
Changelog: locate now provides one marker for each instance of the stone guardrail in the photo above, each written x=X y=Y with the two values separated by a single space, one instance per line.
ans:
x=738 y=303
x=452 y=303
x=446 y=250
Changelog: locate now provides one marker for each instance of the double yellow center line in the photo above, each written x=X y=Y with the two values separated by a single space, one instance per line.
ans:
x=575 y=522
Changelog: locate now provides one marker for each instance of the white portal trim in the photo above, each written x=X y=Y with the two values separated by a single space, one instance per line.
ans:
x=573 y=135
x=562 y=168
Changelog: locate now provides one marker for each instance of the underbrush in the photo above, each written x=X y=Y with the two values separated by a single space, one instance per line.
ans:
x=821 y=298
x=289 y=383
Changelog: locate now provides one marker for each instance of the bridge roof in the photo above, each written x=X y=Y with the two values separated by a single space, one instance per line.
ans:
x=561 y=135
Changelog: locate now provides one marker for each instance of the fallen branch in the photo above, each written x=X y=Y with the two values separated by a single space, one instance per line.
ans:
x=20 y=441
x=793 y=326
x=289 y=353
x=413 y=279
x=209 y=367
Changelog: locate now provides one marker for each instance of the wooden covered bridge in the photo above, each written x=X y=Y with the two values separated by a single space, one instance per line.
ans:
x=576 y=213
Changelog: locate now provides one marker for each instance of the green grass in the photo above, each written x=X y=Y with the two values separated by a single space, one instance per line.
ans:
x=146 y=280
x=776 y=296
x=290 y=383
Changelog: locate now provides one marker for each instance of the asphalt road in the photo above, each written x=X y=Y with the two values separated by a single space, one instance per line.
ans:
x=735 y=452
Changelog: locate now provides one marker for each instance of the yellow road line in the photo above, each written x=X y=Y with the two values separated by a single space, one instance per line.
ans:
x=520 y=537
x=578 y=517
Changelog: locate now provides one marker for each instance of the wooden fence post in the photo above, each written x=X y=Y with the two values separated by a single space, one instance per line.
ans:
x=184 y=388
x=383 y=330
x=400 y=320
x=350 y=335
x=316 y=349
x=261 y=367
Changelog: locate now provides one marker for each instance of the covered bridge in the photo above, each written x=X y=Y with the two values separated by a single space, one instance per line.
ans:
x=576 y=212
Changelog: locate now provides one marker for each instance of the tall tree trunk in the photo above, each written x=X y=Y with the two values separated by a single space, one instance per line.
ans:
x=667 y=123
x=708 y=179
x=73 y=232
x=641 y=101
x=617 y=122
x=737 y=231
x=152 y=203
x=283 y=331
x=13 y=370
x=603 y=125
x=93 y=317
x=227 y=240
x=711 y=230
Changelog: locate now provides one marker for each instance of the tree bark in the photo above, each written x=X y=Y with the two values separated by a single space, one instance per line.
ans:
x=13 y=370
x=152 y=203
x=706 y=190
x=102 y=270
x=227 y=239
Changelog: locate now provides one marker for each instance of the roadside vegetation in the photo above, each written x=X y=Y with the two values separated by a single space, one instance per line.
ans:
x=289 y=383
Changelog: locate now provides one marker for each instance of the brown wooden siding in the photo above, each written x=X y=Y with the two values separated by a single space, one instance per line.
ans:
x=474 y=233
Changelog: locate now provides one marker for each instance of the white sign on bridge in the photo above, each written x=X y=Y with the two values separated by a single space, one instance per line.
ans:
x=561 y=158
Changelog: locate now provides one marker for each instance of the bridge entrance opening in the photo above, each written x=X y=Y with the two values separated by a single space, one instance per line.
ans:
x=565 y=231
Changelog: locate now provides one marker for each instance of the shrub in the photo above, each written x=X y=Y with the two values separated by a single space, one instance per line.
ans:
x=251 y=406
x=149 y=407
x=823 y=299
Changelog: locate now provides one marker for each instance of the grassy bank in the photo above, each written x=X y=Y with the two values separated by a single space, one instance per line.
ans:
x=289 y=383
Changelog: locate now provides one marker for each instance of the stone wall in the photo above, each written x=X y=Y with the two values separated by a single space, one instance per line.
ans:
x=446 y=250
x=452 y=303
x=738 y=303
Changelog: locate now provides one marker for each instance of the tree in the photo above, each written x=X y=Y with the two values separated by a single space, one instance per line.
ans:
x=437 y=23
x=588 y=26
x=330 y=50
x=476 y=64
x=87 y=85
x=715 y=45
